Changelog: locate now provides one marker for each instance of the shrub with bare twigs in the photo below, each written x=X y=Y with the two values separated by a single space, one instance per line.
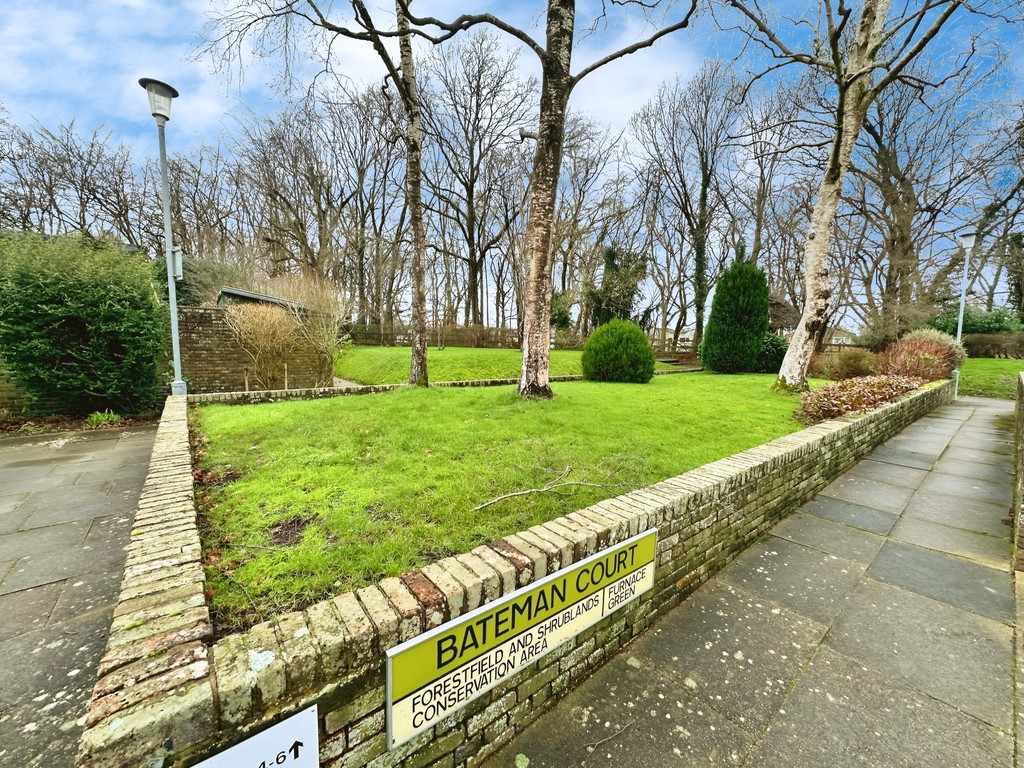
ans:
x=270 y=335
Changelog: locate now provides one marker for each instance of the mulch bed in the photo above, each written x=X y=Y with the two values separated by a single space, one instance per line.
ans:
x=41 y=425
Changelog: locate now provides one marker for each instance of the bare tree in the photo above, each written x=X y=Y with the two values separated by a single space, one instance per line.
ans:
x=916 y=172
x=557 y=84
x=684 y=136
x=267 y=22
x=61 y=180
x=860 y=56
x=476 y=106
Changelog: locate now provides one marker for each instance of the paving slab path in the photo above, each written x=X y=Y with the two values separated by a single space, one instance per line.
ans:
x=67 y=503
x=873 y=627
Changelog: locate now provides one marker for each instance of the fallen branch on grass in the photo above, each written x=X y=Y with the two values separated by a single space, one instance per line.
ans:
x=553 y=485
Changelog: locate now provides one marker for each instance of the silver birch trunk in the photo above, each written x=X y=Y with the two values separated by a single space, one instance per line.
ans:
x=556 y=85
x=413 y=186
x=856 y=93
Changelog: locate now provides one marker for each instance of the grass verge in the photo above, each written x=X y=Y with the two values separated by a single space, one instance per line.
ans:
x=303 y=499
x=390 y=365
x=986 y=377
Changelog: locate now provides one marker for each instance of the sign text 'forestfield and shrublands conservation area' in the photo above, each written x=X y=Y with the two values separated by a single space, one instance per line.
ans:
x=438 y=673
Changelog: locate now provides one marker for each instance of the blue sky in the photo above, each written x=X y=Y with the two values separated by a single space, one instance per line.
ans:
x=62 y=60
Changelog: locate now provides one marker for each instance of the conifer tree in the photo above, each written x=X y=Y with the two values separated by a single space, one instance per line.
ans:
x=739 y=319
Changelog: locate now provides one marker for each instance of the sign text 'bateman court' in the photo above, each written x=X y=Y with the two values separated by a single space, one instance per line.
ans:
x=439 y=672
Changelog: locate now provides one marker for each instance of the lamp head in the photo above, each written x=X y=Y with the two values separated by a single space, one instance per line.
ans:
x=967 y=240
x=160 y=95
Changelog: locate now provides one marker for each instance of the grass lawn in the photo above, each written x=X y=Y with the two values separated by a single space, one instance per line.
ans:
x=320 y=496
x=390 y=365
x=985 y=377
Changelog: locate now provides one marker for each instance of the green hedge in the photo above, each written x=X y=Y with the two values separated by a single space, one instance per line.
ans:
x=81 y=329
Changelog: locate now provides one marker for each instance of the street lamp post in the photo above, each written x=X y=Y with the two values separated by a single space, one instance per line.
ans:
x=160 y=95
x=967 y=241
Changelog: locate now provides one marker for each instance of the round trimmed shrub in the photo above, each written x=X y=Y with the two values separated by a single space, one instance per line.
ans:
x=618 y=351
x=925 y=354
x=955 y=353
x=773 y=352
x=81 y=329
x=738 y=322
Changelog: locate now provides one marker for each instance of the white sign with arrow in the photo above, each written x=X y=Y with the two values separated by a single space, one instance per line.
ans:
x=292 y=743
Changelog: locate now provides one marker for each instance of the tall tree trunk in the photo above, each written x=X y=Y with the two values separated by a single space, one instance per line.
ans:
x=855 y=94
x=413 y=184
x=555 y=88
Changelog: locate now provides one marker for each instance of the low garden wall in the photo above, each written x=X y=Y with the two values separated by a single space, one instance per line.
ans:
x=1018 y=480
x=167 y=696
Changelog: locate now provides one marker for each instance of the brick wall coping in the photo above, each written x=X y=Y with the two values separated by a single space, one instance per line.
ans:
x=167 y=695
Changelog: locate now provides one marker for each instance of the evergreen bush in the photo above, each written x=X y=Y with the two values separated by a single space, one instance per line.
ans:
x=734 y=337
x=618 y=351
x=999 y=320
x=773 y=352
x=81 y=329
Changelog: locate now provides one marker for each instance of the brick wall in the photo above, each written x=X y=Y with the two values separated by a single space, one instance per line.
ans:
x=212 y=360
x=1018 y=481
x=165 y=693
x=11 y=399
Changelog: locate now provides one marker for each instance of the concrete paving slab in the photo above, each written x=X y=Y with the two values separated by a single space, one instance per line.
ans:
x=910 y=637
x=21 y=482
x=932 y=447
x=83 y=593
x=732 y=651
x=933 y=428
x=95 y=466
x=28 y=609
x=951 y=412
x=627 y=715
x=854 y=515
x=968 y=487
x=946 y=578
x=969 y=514
x=43 y=567
x=993 y=472
x=812 y=583
x=843 y=714
x=976 y=455
x=53 y=658
x=885 y=497
x=895 y=474
x=13 y=513
x=993 y=551
x=59 y=582
x=828 y=536
x=42 y=699
x=53 y=540
x=903 y=457
x=39 y=735
x=973 y=443
x=62 y=506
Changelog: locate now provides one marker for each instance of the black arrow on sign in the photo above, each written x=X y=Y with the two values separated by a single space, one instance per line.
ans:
x=295 y=749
